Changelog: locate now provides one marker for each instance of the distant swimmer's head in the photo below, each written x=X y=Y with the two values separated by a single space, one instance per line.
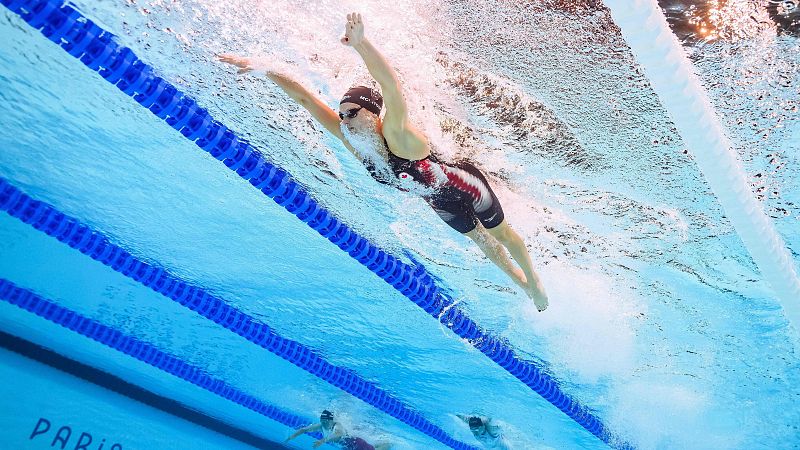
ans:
x=326 y=418
x=360 y=105
x=475 y=423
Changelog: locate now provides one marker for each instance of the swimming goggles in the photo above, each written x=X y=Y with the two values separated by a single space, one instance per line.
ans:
x=351 y=113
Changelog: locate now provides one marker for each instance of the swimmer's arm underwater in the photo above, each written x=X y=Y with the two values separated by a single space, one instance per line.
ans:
x=403 y=137
x=335 y=436
x=321 y=112
x=304 y=430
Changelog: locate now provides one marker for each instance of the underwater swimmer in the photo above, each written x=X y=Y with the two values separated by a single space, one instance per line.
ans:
x=395 y=152
x=333 y=432
x=485 y=431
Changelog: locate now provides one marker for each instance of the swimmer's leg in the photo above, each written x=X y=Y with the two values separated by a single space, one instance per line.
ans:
x=516 y=246
x=494 y=251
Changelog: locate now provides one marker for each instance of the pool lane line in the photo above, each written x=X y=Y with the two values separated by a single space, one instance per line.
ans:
x=33 y=303
x=97 y=246
x=98 y=50
x=672 y=77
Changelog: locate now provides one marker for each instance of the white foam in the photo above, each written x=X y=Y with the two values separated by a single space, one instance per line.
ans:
x=588 y=324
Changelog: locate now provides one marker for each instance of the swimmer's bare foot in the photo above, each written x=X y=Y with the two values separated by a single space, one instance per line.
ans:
x=537 y=294
x=532 y=290
x=541 y=302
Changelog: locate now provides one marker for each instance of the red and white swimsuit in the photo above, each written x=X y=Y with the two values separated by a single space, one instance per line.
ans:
x=460 y=193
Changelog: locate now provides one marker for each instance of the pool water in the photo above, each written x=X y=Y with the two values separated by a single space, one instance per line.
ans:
x=659 y=320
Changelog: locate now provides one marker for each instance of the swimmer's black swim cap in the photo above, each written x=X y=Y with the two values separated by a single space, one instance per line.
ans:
x=326 y=415
x=368 y=98
x=475 y=422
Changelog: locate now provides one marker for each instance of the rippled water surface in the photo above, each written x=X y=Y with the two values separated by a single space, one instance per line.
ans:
x=659 y=320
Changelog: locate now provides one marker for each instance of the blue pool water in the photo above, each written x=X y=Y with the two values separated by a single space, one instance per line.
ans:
x=659 y=320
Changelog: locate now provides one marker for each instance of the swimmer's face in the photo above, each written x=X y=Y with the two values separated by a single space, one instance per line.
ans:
x=356 y=118
x=326 y=423
x=478 y=430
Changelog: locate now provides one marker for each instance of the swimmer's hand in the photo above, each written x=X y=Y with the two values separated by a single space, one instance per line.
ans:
x=244 y=64
x=318 y=443
x=353 y=30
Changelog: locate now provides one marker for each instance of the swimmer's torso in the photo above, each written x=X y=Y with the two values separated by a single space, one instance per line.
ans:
x=459 y=193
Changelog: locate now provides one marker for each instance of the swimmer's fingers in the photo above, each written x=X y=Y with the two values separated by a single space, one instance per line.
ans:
x=356 y=21
x=359 y=23
x=227 y=58
x=346 y=38
x=353 y=30
x=351 y=35
x=242 y=63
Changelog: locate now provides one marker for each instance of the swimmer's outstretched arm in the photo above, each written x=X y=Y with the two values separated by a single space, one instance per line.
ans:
x=335 y=436
x=323 y=114
x=304 y=430
x=397 y=129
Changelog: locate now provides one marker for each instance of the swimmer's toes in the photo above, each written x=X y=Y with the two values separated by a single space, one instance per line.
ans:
x=541 y=302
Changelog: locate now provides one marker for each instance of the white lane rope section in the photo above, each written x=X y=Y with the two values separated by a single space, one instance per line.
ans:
x=672 y=76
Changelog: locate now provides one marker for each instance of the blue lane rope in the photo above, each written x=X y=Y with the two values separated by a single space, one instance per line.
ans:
x=97 y=49
x=147 y=353
x=94 y=244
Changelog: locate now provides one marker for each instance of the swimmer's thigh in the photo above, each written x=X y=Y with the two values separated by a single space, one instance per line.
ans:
x=458 y=214
x=490 y=213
